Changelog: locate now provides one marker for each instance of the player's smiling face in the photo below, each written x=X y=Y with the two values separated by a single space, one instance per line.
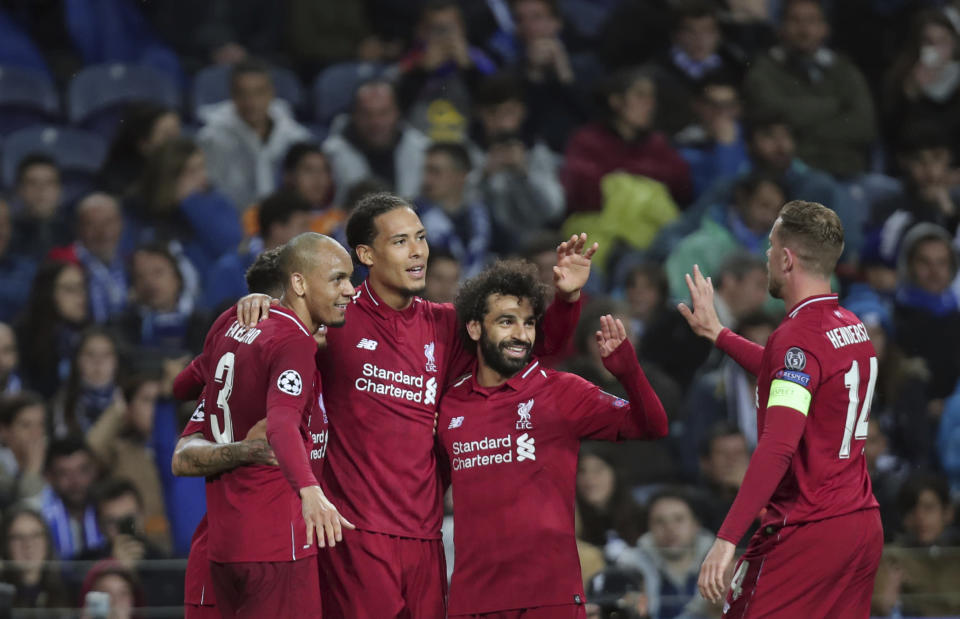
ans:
x=328 y=287
x=507 y=334
x=398 y=256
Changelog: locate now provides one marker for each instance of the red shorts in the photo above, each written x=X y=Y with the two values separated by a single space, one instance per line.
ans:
x=196 y=611
x=567 y=611
x=256 y=590
x=375 y=576
x=819 y=569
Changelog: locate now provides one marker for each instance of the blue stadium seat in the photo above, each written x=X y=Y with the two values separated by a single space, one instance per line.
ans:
x=212 y=85
x=334 y=86
x=97 y=95
x=26 y=98
x=79 y=154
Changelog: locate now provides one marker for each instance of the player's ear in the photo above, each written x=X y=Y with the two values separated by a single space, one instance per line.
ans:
x=298 y=284
x=365 y=254
x=474 y=330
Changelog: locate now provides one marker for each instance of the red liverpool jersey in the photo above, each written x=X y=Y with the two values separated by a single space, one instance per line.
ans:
x=254 y=512
x=385 y=371
x=513 y=457
x=820 y=359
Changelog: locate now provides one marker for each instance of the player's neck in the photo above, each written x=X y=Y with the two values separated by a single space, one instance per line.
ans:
x=396 y=299
x=487 y=376
x=803 y=288
x=299 y=307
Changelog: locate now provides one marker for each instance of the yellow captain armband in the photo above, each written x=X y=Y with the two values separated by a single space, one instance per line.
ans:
x=789 y=394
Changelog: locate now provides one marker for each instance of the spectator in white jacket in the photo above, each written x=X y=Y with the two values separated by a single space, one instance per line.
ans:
x=375 y=142
x=246 y=138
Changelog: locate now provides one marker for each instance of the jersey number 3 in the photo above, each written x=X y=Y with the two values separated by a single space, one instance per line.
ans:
x=224 y=378
x=855 y=426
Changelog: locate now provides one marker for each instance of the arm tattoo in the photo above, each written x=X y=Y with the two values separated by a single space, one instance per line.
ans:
x=198 y=457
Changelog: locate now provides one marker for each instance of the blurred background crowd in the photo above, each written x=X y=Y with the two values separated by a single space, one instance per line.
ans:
x=150 y=150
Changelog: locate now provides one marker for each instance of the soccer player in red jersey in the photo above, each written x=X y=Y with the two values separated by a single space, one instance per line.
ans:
x=197 y=456
x=384 y=373
x=262 y=520
x=511 y=430
x=818 y=547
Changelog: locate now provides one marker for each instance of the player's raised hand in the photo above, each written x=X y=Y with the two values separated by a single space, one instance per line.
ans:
x=573 y=266
x=253 y=308
x=258 y=450
x=322 y=517
x=703 y=317
x=712 y=583
x=612 y=333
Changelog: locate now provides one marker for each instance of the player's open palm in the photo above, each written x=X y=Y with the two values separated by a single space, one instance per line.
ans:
x=573 y=264
x=703 y=317
x=322 y=517
x=612 y=333
x=253 y=308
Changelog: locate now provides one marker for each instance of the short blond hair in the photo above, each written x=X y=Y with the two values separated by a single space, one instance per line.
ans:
x=814 y=233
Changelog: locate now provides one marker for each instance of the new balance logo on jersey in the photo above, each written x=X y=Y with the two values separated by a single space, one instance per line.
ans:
x=431 y=361
x=456 y=422
x=523 y=411
x=525 y=448
x=367 y=344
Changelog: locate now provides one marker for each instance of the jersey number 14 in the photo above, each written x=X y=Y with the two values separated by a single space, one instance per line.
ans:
x=856 y=425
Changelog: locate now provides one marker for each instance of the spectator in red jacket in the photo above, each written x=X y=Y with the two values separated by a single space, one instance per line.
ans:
x=623 y=142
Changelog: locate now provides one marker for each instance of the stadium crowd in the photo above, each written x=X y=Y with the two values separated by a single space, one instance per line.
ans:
x=670 y=131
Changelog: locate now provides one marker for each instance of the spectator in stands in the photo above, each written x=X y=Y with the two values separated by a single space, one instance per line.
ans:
x=744 y=225
x=820 y=93
x=16 y=269
x=126 y=591
x=927 y=513
x=376 y=142
x=926 y=315
x=616 y=592
x=25 y=550
x=624 y=142
x=145 y=126
x=609 y=517
x=724 y=457
x=39 y=221
x=646 y=292
x=440 y=74
x=697 y=54
x=517 y=171
x=100 y=225
x=453 y=221
x=443 y=277
x=161 y=320
x=929 y=194
x=307 y=171
x=327 y=32
x=121 y=516
x=887 y=474
x=542 y=251
x=584 y=360
x=23 y=447
x=50 y=325
x=924 y=83
x=714 y=145
x=280 y=217
x=91 y=386
x=549 y=77
x=175 y=204
x=670 y=553
x=773 y=151
x=67 y=503
x=10 y=381
x=724 y=394
x=246 y=138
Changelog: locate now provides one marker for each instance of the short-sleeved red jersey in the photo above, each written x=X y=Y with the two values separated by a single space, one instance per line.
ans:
x=513 y=456
x=385 y=371
x=254 y=512
x=820 y=357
